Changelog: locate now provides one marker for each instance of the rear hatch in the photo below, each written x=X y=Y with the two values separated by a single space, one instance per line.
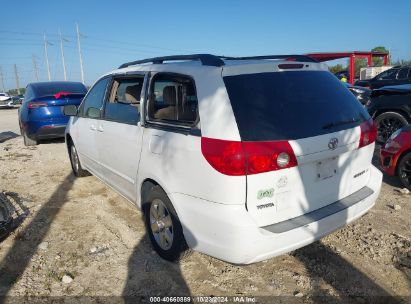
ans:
x=50 y=107
x=318 y=119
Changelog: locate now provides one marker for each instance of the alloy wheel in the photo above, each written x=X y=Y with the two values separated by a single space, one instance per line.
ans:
x=161 y=224
x=74 y=159
x=387 y=126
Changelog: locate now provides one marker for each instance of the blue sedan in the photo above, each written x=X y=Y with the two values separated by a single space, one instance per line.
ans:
x=41 y=114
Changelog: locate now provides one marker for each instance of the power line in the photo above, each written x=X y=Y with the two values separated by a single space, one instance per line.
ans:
x=29 y=33
x=95 y=38
x=16 y=58
x=20 y=39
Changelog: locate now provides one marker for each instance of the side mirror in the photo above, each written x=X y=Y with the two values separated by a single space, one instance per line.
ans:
x=70 y=110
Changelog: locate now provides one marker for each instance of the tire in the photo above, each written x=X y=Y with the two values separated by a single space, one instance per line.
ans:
x=27 y=140
x=78 y=170
x=404 y=170
x=163 y=226
x=387 y=123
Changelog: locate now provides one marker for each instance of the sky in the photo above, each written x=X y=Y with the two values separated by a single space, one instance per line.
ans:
x=114 y=32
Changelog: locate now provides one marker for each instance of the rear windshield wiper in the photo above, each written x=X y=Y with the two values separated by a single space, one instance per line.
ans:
x=341 y=123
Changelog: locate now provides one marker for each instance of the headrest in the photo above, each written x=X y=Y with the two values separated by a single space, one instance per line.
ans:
x=133 y=93
x=169 y=95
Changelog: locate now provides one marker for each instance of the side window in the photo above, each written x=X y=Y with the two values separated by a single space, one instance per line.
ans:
x=403 y=73
x=123 y=104
x=388 y=75
x=91 y=106
x=172 y=99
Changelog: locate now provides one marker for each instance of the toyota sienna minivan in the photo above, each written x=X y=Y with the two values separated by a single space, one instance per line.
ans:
x=241 y=158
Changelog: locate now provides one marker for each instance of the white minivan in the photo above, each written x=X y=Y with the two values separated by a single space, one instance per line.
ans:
x=239 y=158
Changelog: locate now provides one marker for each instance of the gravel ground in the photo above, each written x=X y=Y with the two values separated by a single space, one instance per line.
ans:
x=78 y=237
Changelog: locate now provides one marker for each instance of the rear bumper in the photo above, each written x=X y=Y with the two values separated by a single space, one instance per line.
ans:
x=51 y=131
x=45 y=130
x=228 y=233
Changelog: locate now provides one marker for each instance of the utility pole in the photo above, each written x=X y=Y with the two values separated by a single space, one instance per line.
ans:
x=16 y=75
x=35 y=70
x=79 y=52
x=2 y=79
x=47 y=57
x=62 y=55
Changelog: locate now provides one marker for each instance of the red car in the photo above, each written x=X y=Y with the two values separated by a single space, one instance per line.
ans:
x=396 y=155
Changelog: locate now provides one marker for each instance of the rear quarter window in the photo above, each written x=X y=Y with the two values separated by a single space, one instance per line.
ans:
x=291 y=105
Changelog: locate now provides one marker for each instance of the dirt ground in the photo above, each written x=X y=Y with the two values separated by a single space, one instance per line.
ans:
x=80 y=229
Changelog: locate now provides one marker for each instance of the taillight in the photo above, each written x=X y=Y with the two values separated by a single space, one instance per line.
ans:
x=241 y=158
x=368 y=133
x=37 y=104
x=225 y=156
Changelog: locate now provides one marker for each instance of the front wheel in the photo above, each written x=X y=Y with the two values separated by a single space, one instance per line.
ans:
x=163 y=225
x=404 y=170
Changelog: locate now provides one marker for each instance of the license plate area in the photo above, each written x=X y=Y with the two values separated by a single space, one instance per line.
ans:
x=327 y=168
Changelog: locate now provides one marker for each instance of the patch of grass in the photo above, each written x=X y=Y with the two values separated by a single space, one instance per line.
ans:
x=52 y=274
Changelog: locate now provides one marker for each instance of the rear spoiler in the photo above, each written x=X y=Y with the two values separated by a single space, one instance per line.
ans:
x=60 y=95
x=67 y=94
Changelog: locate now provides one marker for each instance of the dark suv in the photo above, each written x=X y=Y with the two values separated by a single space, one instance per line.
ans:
x=390 y=106
x=394 y=76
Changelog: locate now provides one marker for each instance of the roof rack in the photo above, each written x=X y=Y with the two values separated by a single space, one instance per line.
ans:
x=212 y=60
x=302 y=58
x=206 y=59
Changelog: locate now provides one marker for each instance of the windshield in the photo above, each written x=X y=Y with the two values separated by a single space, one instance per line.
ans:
x=291 y=105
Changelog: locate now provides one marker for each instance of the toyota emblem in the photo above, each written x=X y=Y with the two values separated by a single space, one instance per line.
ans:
x=333 y=143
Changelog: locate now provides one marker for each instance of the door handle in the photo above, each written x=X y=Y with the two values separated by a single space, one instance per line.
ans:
x=93 y=127
x=100 y=129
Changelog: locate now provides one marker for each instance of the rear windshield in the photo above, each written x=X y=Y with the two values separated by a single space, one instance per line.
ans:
x=291 y=105
x=48 y=89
